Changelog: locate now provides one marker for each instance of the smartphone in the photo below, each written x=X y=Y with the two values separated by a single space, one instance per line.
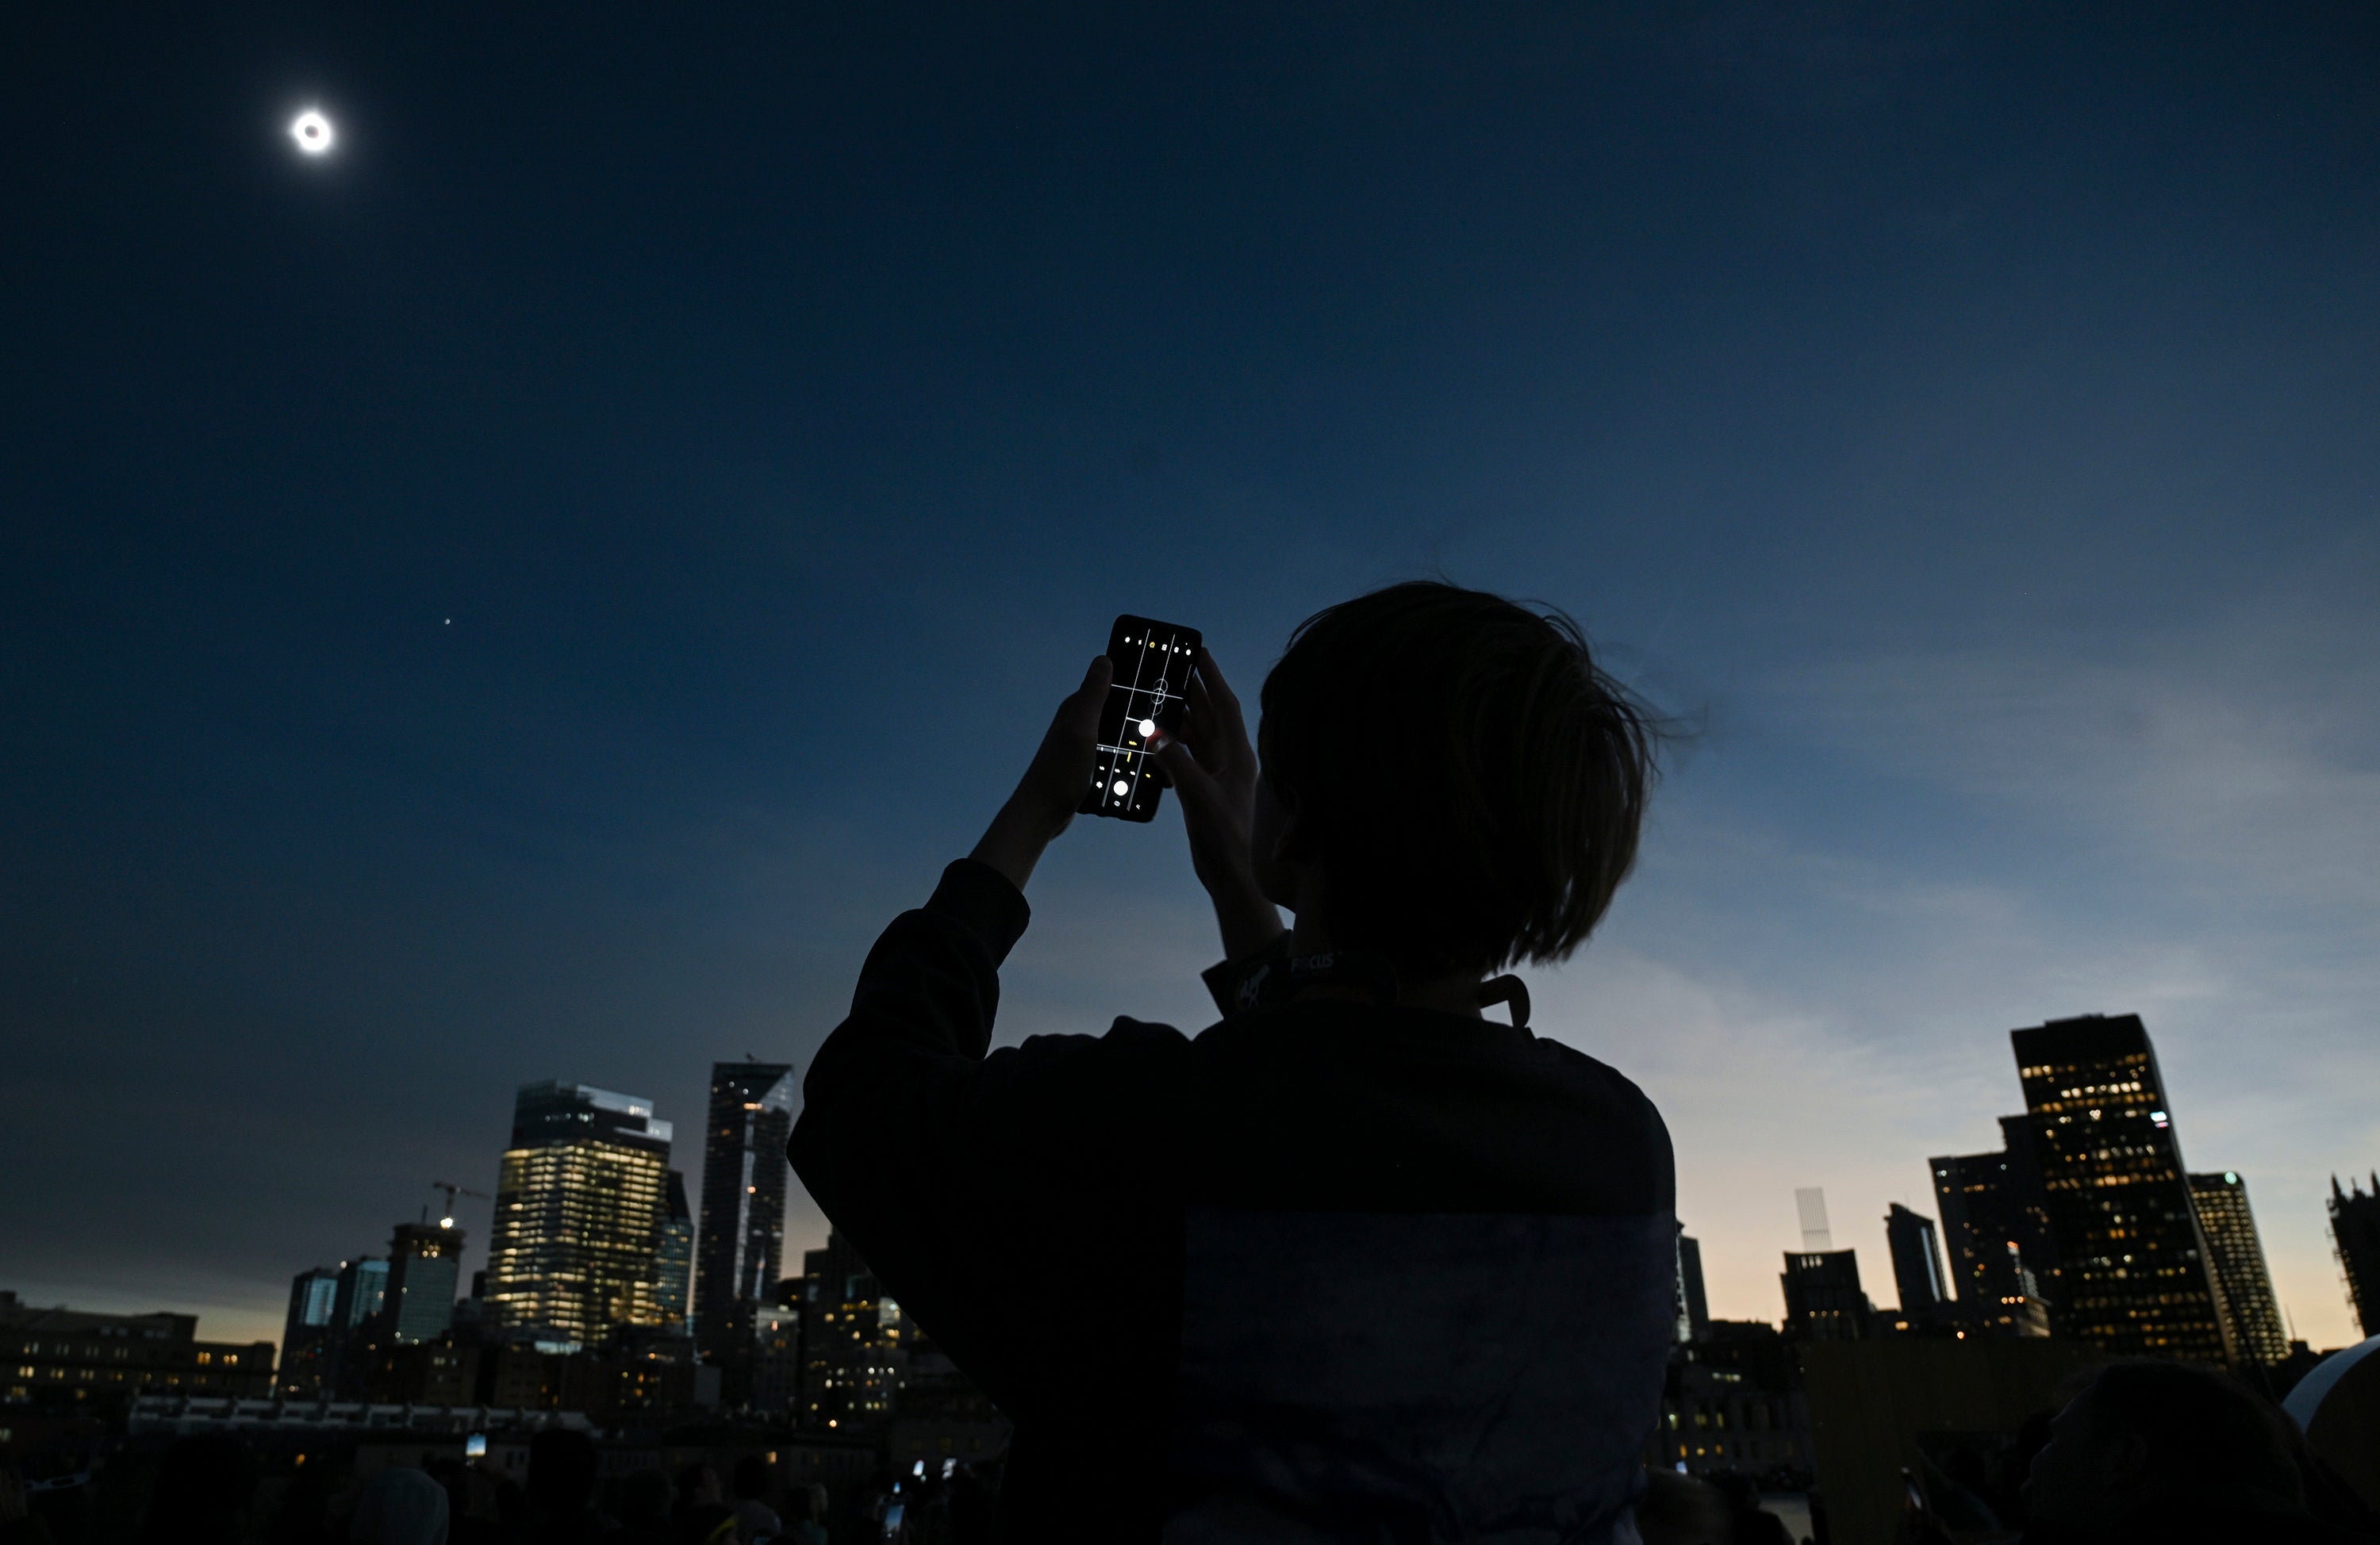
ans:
x=1145 y=702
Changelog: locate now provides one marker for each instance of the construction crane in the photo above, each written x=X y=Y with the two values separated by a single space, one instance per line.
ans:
x=446 y=1219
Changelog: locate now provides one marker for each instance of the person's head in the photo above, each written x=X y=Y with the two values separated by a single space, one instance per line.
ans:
x=399 y=1507
x=203 y=1481
x=2146 y=1433
x=753 y=1480
x=1683 y=1510
x=1739 y=1491
x=1453 y=777
x=697 y=1486
x=645 y=1500
x=562 y=1470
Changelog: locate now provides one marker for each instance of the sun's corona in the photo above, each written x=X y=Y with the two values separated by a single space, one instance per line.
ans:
x=312 y=132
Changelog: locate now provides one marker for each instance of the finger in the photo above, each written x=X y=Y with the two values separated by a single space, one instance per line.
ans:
x=1080 y=711
x=1200 y=720
x=1211 y=675
x=1201 y=700
x=1174 y=757
x=1227 y=730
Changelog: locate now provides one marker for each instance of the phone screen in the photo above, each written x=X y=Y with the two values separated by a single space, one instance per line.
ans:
x=1145 y=700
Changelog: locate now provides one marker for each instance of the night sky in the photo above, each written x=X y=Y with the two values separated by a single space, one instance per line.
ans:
x=530 y=593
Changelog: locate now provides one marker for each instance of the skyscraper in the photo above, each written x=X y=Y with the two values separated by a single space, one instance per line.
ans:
x=1994 y=1229
x=363 y=1287
x=1693 y=1303
x=575 y=1250
x=354 y=1309
x=2238 y=1256
x=423 y=1259
x=2134 y=1275
x=2355 y=1230
x=1916 y=1261
x=1822 y=1297
x=676 y=1286
x=306 y=1336
x=743 y=1229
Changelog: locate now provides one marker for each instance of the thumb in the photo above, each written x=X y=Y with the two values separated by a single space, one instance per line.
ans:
x=1180 y=765
x=1081 y=708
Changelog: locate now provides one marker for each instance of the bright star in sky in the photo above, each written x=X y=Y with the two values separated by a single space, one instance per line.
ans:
x=312 y=132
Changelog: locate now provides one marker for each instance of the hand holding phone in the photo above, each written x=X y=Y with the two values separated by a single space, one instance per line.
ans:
x=1148 y=696
x=1213 y=769
x=1045 y=802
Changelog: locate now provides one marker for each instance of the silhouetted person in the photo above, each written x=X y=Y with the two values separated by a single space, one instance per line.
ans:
x=399 y=1507
x=17 y=1524
x=463 y=1526
x=203 y=1485
x=645 y=1498
x=2168 y=1453
x=1683 y=1510
x=1358 y=1260
x=804 y=1516
x=756 y=1486
x=1751 y=1523
x=516 y=1515
x=701 y=1516
x=971 y=1506
x=563 y=1468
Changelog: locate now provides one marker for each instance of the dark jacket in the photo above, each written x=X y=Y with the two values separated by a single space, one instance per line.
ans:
x=1360 y=1272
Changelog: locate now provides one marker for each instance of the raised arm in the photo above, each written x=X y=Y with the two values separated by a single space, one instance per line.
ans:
x=903 y=1128
x=1213 y=769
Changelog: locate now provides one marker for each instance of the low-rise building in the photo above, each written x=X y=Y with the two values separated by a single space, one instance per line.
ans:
x=52 y=1358
x=1733 y=1401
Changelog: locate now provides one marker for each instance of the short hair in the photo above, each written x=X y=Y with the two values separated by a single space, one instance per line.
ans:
x=563 y=1467
x=1469 y=778
x=2204 y=1430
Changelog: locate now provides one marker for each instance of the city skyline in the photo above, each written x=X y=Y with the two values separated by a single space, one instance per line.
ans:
x=459 y=588
x=748 y=1097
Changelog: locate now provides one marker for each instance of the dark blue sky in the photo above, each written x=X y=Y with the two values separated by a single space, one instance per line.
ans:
x=530 y=593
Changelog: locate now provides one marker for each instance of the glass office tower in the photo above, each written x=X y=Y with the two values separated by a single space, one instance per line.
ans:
x=575 y=1252
x=677 y=1255
x=1995 y=1234
x=423 y=1261
x=1916 y=1261
x=307 y=1334
x=2238 y=1255
x=2132 y=1270
x=743 y=1228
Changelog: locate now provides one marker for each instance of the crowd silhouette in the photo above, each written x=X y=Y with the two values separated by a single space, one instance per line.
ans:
x=2145 y=1453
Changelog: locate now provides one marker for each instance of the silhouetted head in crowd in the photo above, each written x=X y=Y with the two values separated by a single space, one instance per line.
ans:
x=697 y=1486
x=562 y=1471
x=645 y=1498
x=1683 y=1510
x=754 y=1481
x=2145 y=1440
x=203 y=1483
x=399 y=1507
x=1748 y=1523
x=303 y=1517
x=1449 y=780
